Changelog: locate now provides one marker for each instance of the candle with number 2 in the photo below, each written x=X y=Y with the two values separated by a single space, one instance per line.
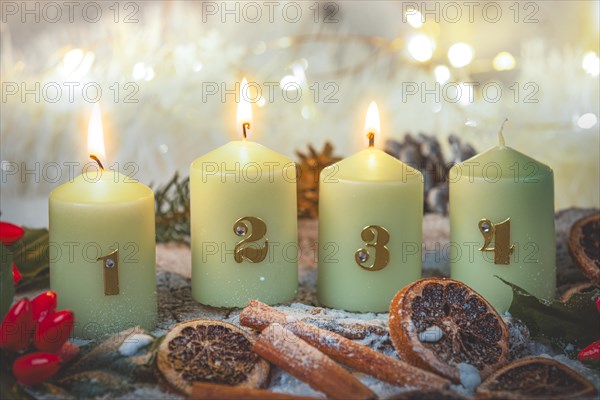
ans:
x=243 y=221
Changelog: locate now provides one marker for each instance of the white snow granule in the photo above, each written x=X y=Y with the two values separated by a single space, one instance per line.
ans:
x=431 y=334
x=469 y=376
x=134 y=343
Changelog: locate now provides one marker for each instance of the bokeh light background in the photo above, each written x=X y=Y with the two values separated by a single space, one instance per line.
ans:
x=170 y=55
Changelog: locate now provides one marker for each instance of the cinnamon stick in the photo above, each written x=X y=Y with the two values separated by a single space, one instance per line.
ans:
x=211 y=391
x=292 y=354
x=361 y=358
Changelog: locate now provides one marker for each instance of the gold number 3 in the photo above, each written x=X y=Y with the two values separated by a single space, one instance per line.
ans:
x=375 y=237
x=253 y=229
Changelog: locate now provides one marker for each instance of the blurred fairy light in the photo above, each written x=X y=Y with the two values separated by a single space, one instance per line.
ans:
x=261 y=102
x=163 y=148
x=77 y=63
x=420 y=47
x=504 y=61
x=289 y=82
x=295 y=81
x=414 y=18
x=465 y=94
x=587 y=121
x=72 y=60
x=260 y=48
x=305 y=112
x=303 y=62
x=442 y=74
x=142 y=71
x=460 y=54
x=591 y=63
x=197 y=66
x=284 y=42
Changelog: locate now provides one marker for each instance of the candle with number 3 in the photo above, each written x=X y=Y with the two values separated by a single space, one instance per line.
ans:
x=102 y=246
x=370 y=216
x=243 y=222
x=502 y=224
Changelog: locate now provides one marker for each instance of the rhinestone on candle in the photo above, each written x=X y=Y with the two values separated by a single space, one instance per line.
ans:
x=241 y=230
x=363 y=256
x=486 y=226
x=109 y=263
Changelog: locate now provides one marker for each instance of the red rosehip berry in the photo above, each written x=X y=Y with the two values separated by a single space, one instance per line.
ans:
x=16 y=274
x=16 y=326
x=10 y=233
x=53 y=331
x=34 y=368
x=591 y=352
x=43 y=305
x=68 y=352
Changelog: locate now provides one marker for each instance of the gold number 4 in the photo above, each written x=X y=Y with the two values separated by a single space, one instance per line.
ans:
x=253 y=230
x=500 y=234
x=375 y=237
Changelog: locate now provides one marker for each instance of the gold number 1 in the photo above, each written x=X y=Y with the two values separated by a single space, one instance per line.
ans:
x=500 y=234
x=110 y=265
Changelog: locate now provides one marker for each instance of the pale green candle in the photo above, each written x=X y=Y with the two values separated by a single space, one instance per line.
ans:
x=370 y=217
x=90 y=217
x=507 y=198
x=243 y=224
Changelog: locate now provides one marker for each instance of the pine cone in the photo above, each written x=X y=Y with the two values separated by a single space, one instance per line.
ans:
x=424 y=153
x=310 y=166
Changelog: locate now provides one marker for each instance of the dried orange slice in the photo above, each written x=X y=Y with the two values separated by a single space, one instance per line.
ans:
x=439 y=324
x=579 y=288
x=536 y=378
x=210 y=351
x=584 y=244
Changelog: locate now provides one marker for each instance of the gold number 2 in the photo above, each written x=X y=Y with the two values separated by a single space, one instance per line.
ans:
x=252 y=229
x=375 y=237
x=110 y=265
x=500 y=234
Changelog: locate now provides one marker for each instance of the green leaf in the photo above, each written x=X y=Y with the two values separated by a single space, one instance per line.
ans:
x=7 y=286
x=574 y=322
x=31 y=254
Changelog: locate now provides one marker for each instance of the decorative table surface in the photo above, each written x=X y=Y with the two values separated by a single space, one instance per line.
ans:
x=123 y=367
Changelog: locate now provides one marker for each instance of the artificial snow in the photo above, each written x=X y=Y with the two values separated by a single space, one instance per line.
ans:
x=431 y=335
x=469 y=376
x=135 y=343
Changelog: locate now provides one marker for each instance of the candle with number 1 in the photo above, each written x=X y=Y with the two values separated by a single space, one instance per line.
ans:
x=243 y=221
x=102 y=246
x=502 y=224
x=370 y=216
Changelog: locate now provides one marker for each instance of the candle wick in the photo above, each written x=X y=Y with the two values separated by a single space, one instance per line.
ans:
x=93 y=157
x=245 y=125
x=500 y=135
x=371 y=137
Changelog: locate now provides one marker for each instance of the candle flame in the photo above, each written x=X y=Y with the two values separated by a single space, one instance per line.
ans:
x=96 y=137
x=244 y=111
x=372 y=124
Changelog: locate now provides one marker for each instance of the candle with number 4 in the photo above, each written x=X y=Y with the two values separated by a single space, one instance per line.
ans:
x=502 y=224
x=102 y=246
x=243 y=222
x=370 y=216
